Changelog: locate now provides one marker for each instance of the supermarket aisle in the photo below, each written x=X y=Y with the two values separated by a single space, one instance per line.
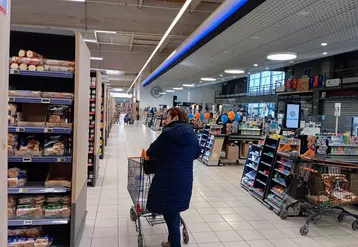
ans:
x=221 y=214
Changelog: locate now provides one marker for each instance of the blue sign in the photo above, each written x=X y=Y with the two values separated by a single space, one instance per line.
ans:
x=3 y=6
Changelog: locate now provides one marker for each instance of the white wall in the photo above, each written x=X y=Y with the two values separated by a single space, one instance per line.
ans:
x=195 y=95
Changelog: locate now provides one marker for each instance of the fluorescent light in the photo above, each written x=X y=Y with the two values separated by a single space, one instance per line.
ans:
x=90 y=40
x=324 y=44
x=221 y=75
x=176 y=19
x=234 y=71
x=117 y=89
x=103 y=31
x=82 y=1
x=267 y=68
x=178 y=88
x=97 y=58
x=188 y=85
x=282 y=56
x=121 y=95
x=162 y=93
x=207 y=79
x=255 y=65
x=170 y=91
x=324 y=53
x=114 y=72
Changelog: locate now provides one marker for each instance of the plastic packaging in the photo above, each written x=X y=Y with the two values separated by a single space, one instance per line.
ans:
x=54 y=146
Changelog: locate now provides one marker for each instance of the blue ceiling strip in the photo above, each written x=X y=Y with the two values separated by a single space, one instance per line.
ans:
x=225 y=11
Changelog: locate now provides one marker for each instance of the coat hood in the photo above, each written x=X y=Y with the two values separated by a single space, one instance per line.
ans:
x=179 y=132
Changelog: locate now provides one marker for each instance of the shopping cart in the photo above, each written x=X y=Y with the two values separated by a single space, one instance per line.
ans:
x=329 y=186
x=140 y=176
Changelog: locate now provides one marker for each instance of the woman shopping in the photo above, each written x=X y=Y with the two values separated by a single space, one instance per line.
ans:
x=174 y=152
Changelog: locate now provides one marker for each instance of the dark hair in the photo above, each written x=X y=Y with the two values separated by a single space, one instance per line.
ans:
x=177 y=112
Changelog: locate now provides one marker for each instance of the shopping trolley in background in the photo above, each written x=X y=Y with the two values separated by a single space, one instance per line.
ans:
x=322 y=188
x=140 y=175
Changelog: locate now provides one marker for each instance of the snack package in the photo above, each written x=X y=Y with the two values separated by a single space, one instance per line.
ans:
x=56 y=210
x=54 y=146
x=57 y=95
x=29 y=212
x=58 y=199
x=11 y=143
x=30 y=232
x=29 y=145
x=35 y=200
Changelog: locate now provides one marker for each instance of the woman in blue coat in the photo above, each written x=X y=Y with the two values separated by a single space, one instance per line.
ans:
x=174 y=151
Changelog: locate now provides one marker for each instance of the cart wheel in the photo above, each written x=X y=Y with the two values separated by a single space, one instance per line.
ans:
x=133 y=214
x=284 y=214
x=340 y=217
x=140 y=241
x=355 y=225
x=304 y=230
x=185 y=236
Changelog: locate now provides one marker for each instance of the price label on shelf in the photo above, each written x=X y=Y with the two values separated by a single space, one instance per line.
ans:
x=49 y=190
x=14 y=71
x=22 y=190
x=27 y=222
x=60 y=159
x=11 y=99
x=26 y=159
x=45 y=101
x=20 y=129
x=48 y=130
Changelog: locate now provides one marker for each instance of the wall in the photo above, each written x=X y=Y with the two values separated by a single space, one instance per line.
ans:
x=195 y=95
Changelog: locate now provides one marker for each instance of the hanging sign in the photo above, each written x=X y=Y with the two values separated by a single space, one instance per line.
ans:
x=3 y=6
x=337 y=109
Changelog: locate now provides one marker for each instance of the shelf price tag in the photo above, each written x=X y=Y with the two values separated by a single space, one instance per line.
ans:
x=60 y=159
x=48 y=130
x=11 y=99
x=26 y=159
x=27 y=222
x=45 y=101
x=49 y=190
x=20 y=129
x=14 y=72
x=22 y=190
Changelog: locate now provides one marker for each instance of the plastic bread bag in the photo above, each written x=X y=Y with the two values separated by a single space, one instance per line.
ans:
x=30 y=199
x=54 y=146
x=16 y=173
x=16 y=182
x=12 y=109
x=21 y=242
x=30 y=232
x=32 y=54
x=29 y=144
x=56 y=210
x=57 y=113
x=58 y=199
x=53 y=62
x=59 y=68
x=29 y=212
x=57 y=95
x=43 y=241
x=26 y=60
x=11 y=213
x=11 y=201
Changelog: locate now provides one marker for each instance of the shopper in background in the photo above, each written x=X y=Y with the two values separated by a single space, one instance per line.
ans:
x=174 y=152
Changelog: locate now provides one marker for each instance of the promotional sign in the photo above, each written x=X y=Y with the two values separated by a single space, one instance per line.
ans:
x=337 y=109
x=292 y=116
x=3 y=7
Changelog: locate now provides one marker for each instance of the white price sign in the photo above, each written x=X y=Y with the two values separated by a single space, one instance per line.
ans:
x=337 y=109
x=27 y=222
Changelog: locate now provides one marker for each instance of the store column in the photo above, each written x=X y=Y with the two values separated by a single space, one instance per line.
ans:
x=4 y=85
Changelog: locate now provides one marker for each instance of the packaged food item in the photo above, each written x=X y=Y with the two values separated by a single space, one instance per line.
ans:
x=52 y=62
x=16 y=177
x=58 y=116
x=23 y=66
x=29 y=146
x=29 y=212
x=58 y=199
x=32 y=54
x=12 y=109
x=61 y=182
x=40 y=68
x=31 y=199
x=24 y=93
x=30 y=232
x=14 y=66
x=43 y=241
x=26 y=60
x=32 y=67
x=59 y=68
x=11 y=201
x=11 y=144
x=56 y=210
x=11 y=212
x=22 y=53
x=57 y=95
x=21 y=242
x=54 y=146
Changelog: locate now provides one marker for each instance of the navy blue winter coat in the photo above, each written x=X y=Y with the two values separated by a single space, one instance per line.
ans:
x=174 y=151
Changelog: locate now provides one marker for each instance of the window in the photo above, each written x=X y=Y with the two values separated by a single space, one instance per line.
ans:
x=261 y=109
x=265 y=82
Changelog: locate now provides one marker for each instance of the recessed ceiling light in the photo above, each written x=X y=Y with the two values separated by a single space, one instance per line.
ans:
x=221 y=75
x=255 y=65
x=324 y=44
x=90 y=40
x=162 y=93
x=97 y=58
x=324 y=53
x=248 y=73
x=170 y=91
x=188 y=85
x=208 y=79
x=177 y=88
x=117 y=89
x=114 y=72
x=234 y=76
x=284 y=56
x=267 y=68
x=234 y=71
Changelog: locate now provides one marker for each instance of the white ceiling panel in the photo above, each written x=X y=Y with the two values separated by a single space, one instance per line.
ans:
x=274 y=26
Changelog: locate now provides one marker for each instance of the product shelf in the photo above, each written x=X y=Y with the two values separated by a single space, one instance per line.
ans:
x=38 y=222
x=18 y=129
x=39 y=100
x=42 y=73
x=40 y=159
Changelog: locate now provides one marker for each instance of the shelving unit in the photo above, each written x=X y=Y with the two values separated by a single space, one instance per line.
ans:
x=94 y=127
x=211 y=144
x=64 y=163
x=251 y=165
x=102 y=121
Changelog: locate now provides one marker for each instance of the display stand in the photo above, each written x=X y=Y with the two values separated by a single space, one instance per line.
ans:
x=103 y=121
x=211 y=145
x=70 y=165
x=94 y=127
x=250 y=169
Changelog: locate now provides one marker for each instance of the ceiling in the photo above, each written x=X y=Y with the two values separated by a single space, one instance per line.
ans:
x=135 y=26
x=274 y=26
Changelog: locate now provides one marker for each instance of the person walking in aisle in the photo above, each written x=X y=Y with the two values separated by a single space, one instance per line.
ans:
x=174 y=152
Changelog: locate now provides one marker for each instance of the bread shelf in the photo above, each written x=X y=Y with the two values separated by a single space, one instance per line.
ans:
x=39 y=100
x=38 y=222
x=41 y=73
x=40 y=159
x=37 y=189
x=17 y=129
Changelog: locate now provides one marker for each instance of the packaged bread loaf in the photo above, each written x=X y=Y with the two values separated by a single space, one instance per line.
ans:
x=11 y=201
x=22 y=53
x=55 y=210
x=32 y=54
x=43 y=241
x=30 y=232
x=14 y=66
x=61 y=182
x=29 y=212
x=59 y=68
x=29 y=146
x=57 y=95
x=16 y=177
x=11 y=213
x=53 y=62
x=32 y=67
x=40 y=68
x=24 y=93
x=26 y=60
x=31 y=199
x=64 y=199
x=54 y=146
x=23 y=66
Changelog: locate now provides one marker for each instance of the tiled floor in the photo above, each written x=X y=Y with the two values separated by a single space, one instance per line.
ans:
x=222 y=214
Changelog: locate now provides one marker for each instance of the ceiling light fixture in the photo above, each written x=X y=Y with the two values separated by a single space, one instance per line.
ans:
x=282 y=56
x=207 y=79
x=324 y=53
x=255 y=65
x=170 y=91
x=117 y=89
x=188 y=85
x=114 y=72
x=221 y=75
x=90 y=40
x=267 y=68
x=176 y=19
x=324 y=44
x=97 y=58
x=178 y=88
x=103 y=31
x=234 y=71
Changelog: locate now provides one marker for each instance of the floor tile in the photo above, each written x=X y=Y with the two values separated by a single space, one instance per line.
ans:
x=241 y=226
x=272 y=234
x=232 y=217
x=211 y=245
x=236 y=244
x=286 y=242
x=100 y=242
x=250 y=235
x=199 y=227
x=105 y=232
x=209 y=218
x=304 y=242
x=347 y=239
x=205 y=237
x=261 y=225
x=85 y=242
x=220 y=226
x=260 y=243
x=328 y=241
x=228 y=236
